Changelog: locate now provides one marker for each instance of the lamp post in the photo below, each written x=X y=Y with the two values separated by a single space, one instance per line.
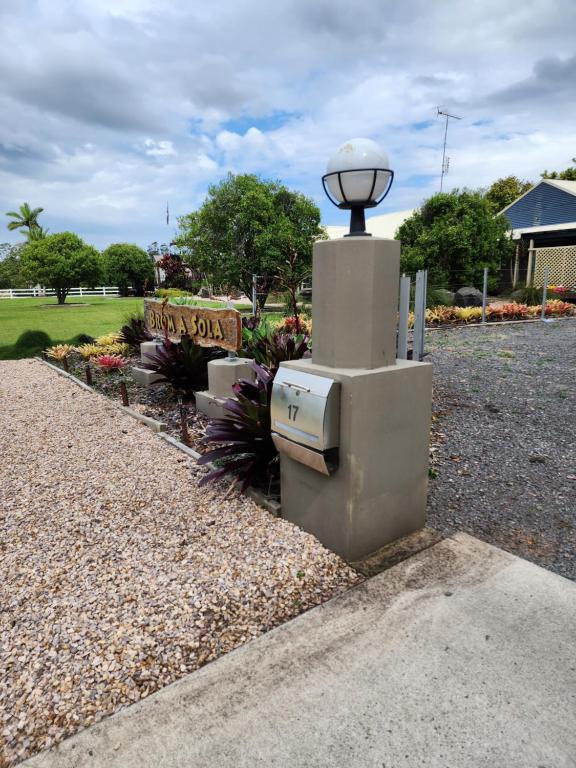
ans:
x=354 y=473
x=358 y=177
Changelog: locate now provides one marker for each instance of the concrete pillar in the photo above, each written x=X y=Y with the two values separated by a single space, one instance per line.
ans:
x=378 y=493
x=222 y=375
x=356 y=306
x=530 y=259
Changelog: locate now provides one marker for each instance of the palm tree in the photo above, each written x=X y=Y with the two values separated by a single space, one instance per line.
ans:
x=27 y=218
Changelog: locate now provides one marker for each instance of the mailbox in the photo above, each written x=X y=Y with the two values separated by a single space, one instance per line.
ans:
x=305 y=415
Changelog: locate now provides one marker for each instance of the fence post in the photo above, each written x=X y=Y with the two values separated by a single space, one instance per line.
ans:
x=419 y=316
x=484 y=294
x=81 y=294
x=403 y=312
x=544 y=292
x=11 y=293
x=103 y=290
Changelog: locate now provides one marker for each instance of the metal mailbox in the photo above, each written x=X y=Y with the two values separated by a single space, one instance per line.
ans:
x=305 y=415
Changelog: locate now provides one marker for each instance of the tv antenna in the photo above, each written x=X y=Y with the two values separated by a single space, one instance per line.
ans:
x=445 y=160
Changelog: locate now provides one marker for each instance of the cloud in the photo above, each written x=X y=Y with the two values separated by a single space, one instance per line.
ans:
x=108 y=110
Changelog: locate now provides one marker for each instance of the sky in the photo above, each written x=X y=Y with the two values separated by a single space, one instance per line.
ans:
x=110 y=109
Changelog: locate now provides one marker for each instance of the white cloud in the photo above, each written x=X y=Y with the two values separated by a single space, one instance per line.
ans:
x=108 y=110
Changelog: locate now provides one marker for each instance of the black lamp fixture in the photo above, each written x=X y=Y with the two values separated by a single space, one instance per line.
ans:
x=358 y=177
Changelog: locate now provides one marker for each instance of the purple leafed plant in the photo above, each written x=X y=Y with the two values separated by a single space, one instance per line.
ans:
x=244 y=446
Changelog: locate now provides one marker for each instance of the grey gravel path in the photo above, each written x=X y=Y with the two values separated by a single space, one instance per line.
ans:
x=505 y=401
x=118 y=574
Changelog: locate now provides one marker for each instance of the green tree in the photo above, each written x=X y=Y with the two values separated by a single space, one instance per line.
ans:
x=61 y=261
x=568 y=174
x=26 y=218
x=504 y=191
x=455 y=235
x=128 y=265
x=11 y=266
x=248 y=226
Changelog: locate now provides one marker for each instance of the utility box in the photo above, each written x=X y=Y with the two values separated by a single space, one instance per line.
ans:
x=305 y=416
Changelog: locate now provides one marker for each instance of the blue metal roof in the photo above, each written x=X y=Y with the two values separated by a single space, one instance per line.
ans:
x=542 y=205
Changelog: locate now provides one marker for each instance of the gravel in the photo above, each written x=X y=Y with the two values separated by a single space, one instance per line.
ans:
x=118 y=574
x=505 y=438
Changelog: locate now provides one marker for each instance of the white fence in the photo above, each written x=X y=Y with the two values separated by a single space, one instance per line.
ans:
x=28 y=293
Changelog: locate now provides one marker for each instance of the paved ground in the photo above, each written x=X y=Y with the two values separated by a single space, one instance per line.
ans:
x=118 y=574
x=461 y=656
x=505 y=397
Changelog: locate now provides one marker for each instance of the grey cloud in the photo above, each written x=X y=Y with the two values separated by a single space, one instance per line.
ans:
x=552 y=78
x=91 y=97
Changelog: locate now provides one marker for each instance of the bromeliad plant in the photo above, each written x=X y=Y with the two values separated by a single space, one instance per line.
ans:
x=184 y=365
x=60 y=352
x=244 y=446
x=269 y=346
x=134 y=332
x=110 y=363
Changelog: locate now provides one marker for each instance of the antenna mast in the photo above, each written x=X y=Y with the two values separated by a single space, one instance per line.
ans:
x=445 y=160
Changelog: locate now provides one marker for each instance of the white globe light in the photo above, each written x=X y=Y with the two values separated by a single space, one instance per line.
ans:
x=359 y=182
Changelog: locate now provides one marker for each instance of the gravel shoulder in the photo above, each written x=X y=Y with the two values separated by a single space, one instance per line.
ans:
x=505 y=434
x=118 y=575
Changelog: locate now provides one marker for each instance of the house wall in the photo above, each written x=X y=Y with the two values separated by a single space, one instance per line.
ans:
x=543 y=205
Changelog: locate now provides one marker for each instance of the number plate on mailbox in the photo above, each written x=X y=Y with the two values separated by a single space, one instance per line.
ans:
x=306 y=408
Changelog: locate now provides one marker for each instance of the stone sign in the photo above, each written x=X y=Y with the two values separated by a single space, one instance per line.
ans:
x=206 y=327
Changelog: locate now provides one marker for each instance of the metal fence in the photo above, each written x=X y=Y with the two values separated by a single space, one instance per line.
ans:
x=39 y=291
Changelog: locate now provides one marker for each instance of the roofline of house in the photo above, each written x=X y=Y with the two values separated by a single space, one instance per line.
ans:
x=543 y=181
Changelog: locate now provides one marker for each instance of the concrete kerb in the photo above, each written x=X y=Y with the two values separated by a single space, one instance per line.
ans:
x=274 y=507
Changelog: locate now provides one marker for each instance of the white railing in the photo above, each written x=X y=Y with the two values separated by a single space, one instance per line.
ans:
x=29 y=293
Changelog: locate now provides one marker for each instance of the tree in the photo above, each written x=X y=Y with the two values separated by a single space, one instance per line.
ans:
x=175 y=271
x=249 y=226
x=27 y=218
x=128 y=265
x=61 y=261
x=569 y=174
x=455 y=235
x=11 y=266
x=504 y=191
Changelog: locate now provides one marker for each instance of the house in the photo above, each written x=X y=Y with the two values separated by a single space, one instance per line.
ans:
x=384 y=225
x=543 y=223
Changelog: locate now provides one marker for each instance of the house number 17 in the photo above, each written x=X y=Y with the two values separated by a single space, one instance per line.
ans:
x=292 y=411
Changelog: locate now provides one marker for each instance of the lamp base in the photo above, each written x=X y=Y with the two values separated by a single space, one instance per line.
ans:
x=357 y=222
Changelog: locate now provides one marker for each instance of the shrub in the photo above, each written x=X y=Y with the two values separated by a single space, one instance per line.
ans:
x=168 y=293
x=528 y=295
x=558 y=307
x=183 y=364
x=244 y=443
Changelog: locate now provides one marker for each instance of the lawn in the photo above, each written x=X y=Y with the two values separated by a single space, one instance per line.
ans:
x=93 y=315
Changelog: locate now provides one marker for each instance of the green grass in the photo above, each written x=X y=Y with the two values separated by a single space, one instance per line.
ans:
x=62 y=324
x=91 y=315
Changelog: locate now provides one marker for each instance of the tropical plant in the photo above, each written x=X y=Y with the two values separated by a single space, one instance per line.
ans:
x=106 y=339
x=126 y=266
x=269 y=346
x=61 y=261
x=11 y=266
x=568 y=174
x=110 y=363
x=244 y=446
x=60 y=352
x=134 y=333
x=184 y=365
x=26 y=218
